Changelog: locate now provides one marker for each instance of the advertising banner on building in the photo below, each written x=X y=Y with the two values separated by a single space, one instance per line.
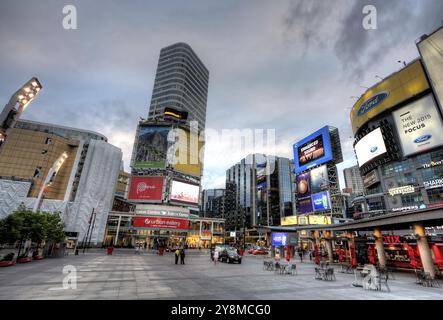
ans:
x=316 y=219
x=303 y=185
x=206 y=230
x=188 y=153
x=261 y=176
x=151 y=147
x=155 y=222
x=145 y=189
x=313 y=150
x=184 y=192
x=321 y=201
x=287 y=221
x=371 y=178
x=319 y=179
x=433 y=184
x=419 y=126
x=370 y=147
x=279 y=239
x=304 y=206
x=431 y=52
x=399 y=87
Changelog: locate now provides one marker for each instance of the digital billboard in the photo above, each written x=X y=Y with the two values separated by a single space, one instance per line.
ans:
x=397 y=88
x=303 y=185
x=313 y=150
x=184 y=192
x=319 y=179
x=370 y=147
x=321 y=201
x=279 y=239
x=188 y=153
x=261 y=175
x=304 y=206
x=419 y=126
x=151 y=147
x=145 y=189
x=431 y=52
x=154 y=222
x=205 y=230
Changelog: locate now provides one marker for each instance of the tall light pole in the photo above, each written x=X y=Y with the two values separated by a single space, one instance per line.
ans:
x=49 y=179
x=23 y=97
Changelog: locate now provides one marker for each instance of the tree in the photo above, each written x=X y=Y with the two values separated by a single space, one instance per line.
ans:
x=54 y=227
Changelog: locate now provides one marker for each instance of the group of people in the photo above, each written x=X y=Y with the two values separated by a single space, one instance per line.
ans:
x=180 y=253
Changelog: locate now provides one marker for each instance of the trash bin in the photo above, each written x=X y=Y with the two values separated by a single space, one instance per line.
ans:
x=110 y=250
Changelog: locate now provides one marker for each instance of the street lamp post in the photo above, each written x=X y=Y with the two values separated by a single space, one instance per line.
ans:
x=10 y=114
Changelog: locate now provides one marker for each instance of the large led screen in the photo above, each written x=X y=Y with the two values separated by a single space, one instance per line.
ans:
x=419 y=126
x=303 y=185
x=370 y=146
x=319 y=179
x=279 y=239
x=321 y=201
x=146 y=189
x=152 y=147
x=188 y=156
x=304 y=206
x=184 y=192
x=313 y=150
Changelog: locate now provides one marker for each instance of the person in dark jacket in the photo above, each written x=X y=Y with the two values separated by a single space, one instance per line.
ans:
x=182 y=256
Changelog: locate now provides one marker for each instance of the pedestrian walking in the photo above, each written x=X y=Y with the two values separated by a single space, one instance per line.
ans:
x=182 y=256
x=300 y=253
x=177 y=255
x=215 y=257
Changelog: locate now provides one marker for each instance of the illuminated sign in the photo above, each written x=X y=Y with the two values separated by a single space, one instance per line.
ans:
x=279 y=238
x=419 y=126
x=287 y=221
x=151 y=147
x=155 y=222
x=315 y=219
x=321 y=201
x=434 y=183
x=146 y=189
x=370 y=147
x=372 y=102
x=184 y=192
x=432 y=164
x=401 y=190
x=319 y=179
x=313 y=150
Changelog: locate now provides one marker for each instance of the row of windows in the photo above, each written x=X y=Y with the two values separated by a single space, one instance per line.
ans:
x=181 y=80
x=185 y=75
x=181 y=62
x=168 y=54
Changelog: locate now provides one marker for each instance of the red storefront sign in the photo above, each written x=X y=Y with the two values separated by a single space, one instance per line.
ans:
x=146 y=189
x=160 y=223
x=391 y=239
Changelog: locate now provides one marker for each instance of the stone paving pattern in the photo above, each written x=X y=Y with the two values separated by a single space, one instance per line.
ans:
x=125 y=275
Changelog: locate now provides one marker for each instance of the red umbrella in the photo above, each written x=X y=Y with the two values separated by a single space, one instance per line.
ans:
x=371 y=254
x=288 y=253
x=353 y=257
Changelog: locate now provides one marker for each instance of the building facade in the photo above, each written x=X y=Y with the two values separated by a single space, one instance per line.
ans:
x=398 y=142
x=181 y=82
x=212 y=203
x=84 y=184
x=353 y=180
x=258 y=192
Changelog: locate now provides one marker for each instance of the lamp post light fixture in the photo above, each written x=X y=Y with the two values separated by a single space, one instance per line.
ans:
x=23 y=97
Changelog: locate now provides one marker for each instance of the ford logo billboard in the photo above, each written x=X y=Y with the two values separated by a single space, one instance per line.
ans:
x=372 y=102
x=373 y=149
x=423 y=138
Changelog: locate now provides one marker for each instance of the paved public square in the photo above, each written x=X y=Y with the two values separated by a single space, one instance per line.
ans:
x=125 y=275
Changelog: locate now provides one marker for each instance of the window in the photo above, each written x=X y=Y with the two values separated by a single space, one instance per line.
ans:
x=435 y=195
x=412 y=199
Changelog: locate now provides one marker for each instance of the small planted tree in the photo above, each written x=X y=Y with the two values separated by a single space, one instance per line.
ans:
x=54 y=228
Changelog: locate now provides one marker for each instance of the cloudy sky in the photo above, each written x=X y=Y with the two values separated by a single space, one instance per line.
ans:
x=292 y=66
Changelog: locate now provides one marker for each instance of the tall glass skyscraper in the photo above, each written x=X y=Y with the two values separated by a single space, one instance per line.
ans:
x=181 y=82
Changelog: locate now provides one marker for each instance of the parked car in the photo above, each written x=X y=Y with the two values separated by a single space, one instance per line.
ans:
x=230 y=255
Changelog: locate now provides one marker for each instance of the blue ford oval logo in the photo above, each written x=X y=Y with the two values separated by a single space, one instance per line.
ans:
x=372 y=102
x=424 y=138
x=373 y=149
